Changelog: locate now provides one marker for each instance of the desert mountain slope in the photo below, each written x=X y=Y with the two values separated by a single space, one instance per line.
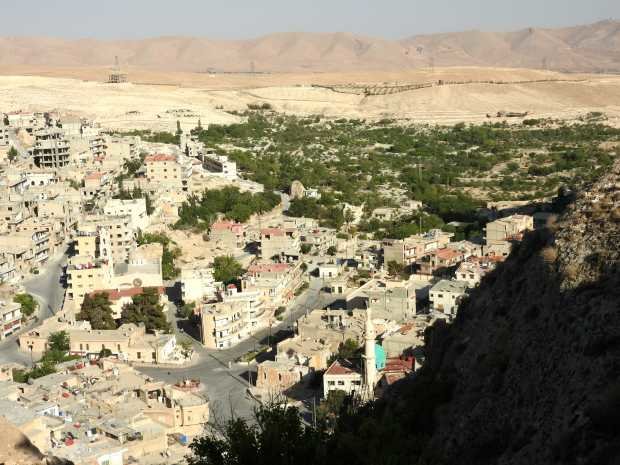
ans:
x=590 y=48
x=530 y=370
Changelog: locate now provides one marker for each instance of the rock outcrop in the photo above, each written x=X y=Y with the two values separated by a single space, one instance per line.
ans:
x=532 y=363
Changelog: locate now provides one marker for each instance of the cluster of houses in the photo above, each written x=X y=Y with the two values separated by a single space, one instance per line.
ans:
x=105 y=412
x=384 y=315
x=65 y=188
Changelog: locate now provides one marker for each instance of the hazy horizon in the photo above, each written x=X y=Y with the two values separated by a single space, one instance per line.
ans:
x=237 y=19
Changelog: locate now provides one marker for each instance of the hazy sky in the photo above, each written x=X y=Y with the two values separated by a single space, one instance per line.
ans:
x=251 y=18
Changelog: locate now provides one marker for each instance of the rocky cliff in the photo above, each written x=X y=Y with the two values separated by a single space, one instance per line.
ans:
x=532 y=363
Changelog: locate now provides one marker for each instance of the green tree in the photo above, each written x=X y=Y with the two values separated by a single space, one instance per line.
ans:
x=145 y=308
x=331 y=250
x=226 y=269
x=395 y=269
x=27 y=302
x=306 y=248
x=12 y=154
x=58 y=341
x=277 y=437
x=187 y=348
x=97 y=309
x=170 y=253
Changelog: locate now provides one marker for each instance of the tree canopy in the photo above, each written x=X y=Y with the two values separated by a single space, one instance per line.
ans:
x=226 y=269
x=27 y=302
x=145 y=308
x=97 y=309
x=201 y=211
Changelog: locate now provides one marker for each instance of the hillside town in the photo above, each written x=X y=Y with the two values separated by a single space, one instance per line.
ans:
x=124 y=334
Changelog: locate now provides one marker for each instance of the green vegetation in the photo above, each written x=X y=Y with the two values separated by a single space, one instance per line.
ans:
x=28 y=304
x=145 y=308
x=146 y=135
x=12 y=154
x=170 y=253
x=348 y=349
x=57 y=352
x=227 y=270
x=98 y=311
x=452 y=170
x=186 y=310
x=137 y=193
x=200 y=212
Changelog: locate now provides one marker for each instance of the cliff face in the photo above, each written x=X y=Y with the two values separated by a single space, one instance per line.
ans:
x=532 y=362
x=16 y=449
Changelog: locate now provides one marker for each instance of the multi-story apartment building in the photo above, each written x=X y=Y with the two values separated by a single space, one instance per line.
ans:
x=7 y=267
x=10 y=318
x=407 y=251
x=51 y=148
x=27 y=250
x=223 y=324
x=115 y=232
x=390 y=300
x=5 y=132
x=198 y=284
x=168 y=172
x=98 y=145
x=280 y=242
x=135 y=209
x=276 y=282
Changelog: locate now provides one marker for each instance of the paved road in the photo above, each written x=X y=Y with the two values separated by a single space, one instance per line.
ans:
x=46 y=287
x=227 y=387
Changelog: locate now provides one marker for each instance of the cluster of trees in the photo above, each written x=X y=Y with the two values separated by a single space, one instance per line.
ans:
x=433 y=163
x=227 y=270
x=28 y=304
x=326 y=210
x=143 y=308
x=170 y=252
x=201 y=212
x=157 y=137
x=57 y=352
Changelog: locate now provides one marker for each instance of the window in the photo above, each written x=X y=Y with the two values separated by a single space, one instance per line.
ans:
x=331 y=383
x=81 y=347
x=340 y=383
x=87 y=347
x=138 y=355
x=154 y=355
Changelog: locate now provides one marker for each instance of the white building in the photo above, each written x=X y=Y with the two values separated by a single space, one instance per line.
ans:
x=198 y=284
x=342 y=375
x=445 y=296
x=135 y=209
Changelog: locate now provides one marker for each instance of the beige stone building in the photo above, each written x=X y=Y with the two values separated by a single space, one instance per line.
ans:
x=279 y=242
x=500 y=231
x=168 y=172
x=407 y=251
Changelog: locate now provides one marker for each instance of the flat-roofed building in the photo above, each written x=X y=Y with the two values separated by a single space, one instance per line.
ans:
x=507 y=229
x=51 y=148
x=10 y=318
x=445 y=296
x=279 y=242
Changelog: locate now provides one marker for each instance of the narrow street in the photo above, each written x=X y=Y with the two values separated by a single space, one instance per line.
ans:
x=47 y=289
x=226 y=380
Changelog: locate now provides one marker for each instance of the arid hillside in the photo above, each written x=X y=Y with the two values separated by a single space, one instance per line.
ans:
x=154 y=99
x=589 y=48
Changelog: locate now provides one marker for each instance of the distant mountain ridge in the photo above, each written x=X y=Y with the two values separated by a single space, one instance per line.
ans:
x=588 y=48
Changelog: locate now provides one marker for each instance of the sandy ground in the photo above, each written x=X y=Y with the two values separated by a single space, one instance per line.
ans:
x=151 y=99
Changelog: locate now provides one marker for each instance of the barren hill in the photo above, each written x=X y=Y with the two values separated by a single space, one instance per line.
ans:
x=589 y=48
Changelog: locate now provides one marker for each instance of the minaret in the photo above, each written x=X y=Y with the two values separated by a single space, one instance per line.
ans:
x=370 y=369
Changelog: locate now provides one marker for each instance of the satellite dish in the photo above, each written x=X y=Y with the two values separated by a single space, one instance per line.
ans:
x=137 y=282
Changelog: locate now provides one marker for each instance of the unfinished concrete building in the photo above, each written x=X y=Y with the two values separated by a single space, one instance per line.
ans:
x=51 y=148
